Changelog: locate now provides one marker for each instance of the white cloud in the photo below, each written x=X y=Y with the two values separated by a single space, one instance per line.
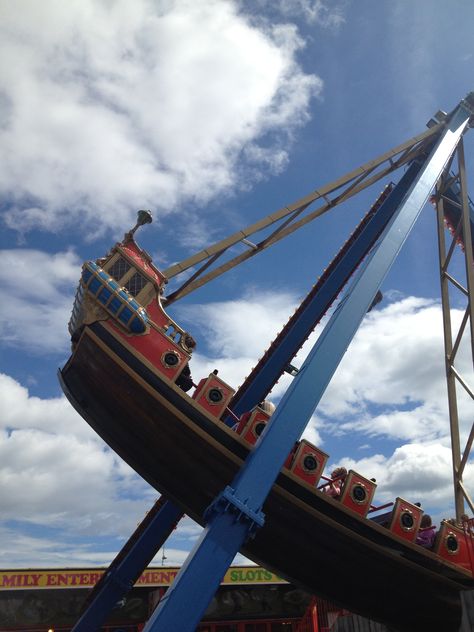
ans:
x=236 y=333
x=21 y=411
x=418 y=472
x=54 y=470
x=21 y=550
x=57 y=474
x=110 y=107
x=326 y=14
x=392 y=380
x=40 y=289
x=241 y=327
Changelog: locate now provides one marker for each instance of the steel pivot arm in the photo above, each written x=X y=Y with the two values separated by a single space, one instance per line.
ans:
x=238 y=510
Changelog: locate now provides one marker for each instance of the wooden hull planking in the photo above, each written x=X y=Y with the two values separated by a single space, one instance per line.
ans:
x=308 y=537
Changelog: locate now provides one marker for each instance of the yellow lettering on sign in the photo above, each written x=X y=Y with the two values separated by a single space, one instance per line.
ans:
x=17 y=580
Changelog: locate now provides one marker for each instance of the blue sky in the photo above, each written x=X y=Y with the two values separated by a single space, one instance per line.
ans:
x=213 y=115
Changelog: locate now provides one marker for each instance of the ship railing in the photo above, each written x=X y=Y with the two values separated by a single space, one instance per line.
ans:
x=329 y=481
x=233 y=416
x=374 y=508
x=174 y=332
x=381 y=518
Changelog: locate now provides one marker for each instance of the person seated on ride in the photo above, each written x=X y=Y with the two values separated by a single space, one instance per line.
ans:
x=338 y=477
x=467 y=524
x=267 y=407
x=427 y=533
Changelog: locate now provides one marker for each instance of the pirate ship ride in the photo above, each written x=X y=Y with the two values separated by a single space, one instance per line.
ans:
x=128 y=376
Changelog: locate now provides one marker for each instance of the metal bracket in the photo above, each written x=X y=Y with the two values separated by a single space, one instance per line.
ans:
x=228 y=502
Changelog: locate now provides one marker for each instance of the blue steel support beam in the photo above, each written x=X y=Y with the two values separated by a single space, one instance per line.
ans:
x=237 y=511
x=285 y=347
x=121 y=576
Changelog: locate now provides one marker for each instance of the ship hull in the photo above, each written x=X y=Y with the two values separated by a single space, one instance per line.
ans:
x=308 y=537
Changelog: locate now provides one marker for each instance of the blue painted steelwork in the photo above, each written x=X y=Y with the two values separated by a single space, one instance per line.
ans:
x=286 y=346
x=151 y=534
x=238 y=511
x=113 y=298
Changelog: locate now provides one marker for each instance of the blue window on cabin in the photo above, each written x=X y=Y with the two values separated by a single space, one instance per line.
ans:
x=86 y=274
x=125 y=315
x=115 y=304
x=105 y=295
x=136 y=326
x=94 y=285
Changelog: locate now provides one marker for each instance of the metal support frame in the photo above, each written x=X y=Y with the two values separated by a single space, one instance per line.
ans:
x=239 y=510
x=269 y=369
x=454 y=207
x=127 y=567
x=284 y=221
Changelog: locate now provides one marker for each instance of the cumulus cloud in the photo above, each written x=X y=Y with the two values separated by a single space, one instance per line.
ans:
x=40 y=289
x=392 y=380
x=21 y=411
x=109 y=107
x=56 y=474
x=244 y=326
x=47 y=452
